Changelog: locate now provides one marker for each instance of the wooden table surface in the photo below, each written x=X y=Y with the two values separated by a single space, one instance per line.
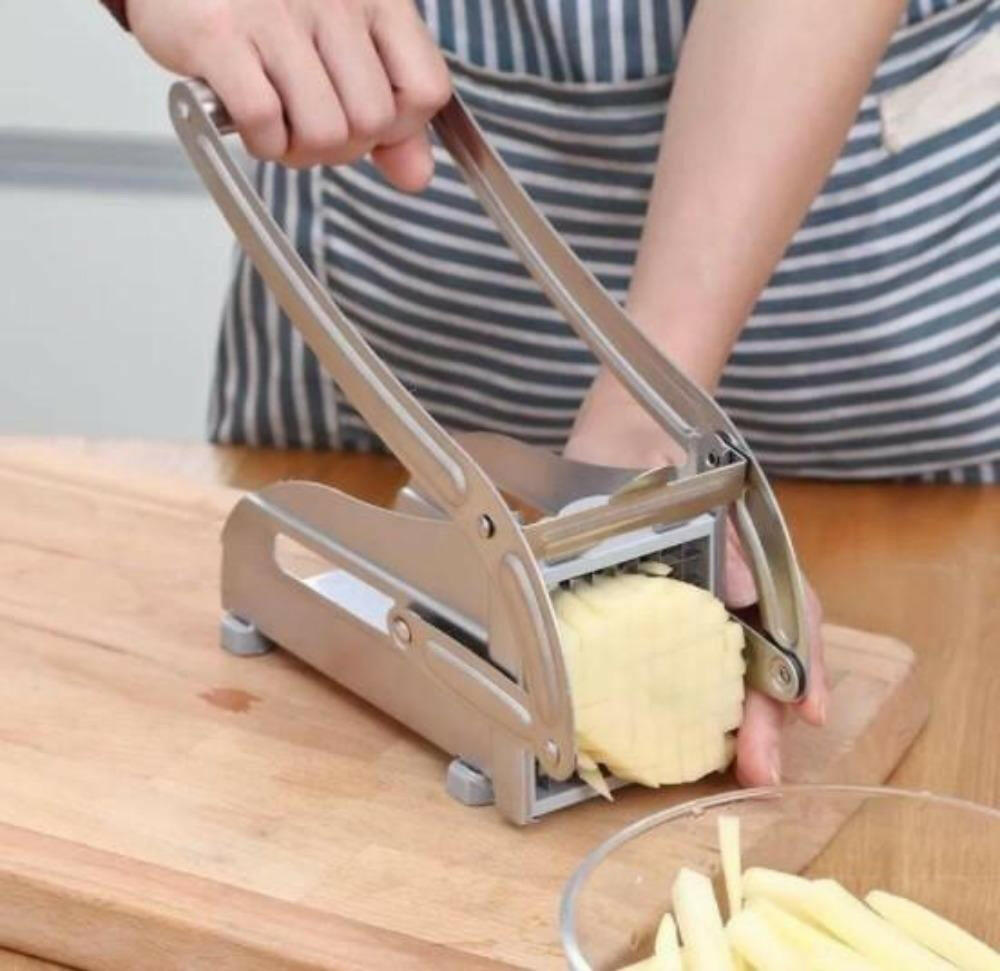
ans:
x=921 y=563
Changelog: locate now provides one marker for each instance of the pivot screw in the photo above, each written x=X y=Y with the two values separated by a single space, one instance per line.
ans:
x=781 y=673
x=402 y=631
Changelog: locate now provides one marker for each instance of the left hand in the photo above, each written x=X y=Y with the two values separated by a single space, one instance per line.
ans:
x=613 y=429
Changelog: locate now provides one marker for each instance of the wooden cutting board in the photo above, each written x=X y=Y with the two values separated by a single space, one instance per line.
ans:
x=164 y=805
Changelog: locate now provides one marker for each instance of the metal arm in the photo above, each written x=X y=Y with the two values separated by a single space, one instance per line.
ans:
x=780 y=653
x=436 y=462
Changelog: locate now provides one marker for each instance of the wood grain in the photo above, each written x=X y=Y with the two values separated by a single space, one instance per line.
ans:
x=125 y=731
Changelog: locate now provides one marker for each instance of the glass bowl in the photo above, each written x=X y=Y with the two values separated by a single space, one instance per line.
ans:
x=942 y=852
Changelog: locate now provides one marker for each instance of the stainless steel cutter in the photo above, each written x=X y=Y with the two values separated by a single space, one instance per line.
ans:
x=438 y=611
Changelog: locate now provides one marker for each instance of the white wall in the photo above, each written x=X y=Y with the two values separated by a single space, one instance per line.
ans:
x=109 y=300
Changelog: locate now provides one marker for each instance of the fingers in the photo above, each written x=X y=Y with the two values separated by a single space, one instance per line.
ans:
x=814 y=706
x=739 y=588
x=318 y=128
x=238 y=78
x=356 y=72
x=758 y=745
x=408 y=164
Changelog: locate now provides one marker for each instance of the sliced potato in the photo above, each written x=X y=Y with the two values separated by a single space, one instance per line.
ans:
x=666 y=949
x=655 y=672
x=934 y=932
x=732 y=866
x=755 y=941
x=785 y=889
x=700 y=922
x=824 y=953
x=867 y=933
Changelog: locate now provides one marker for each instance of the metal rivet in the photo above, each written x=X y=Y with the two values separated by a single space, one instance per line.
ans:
x=712 y=459
x=486 y=527
x=402 y=631
x=782 y=673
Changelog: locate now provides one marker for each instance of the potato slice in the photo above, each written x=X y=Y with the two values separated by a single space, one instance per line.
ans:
x=867 y=933
x=935 y=933
x=752 y=938
x=823 y=952
x=785 y=889
x=732 y=867
x=666 y=948
x=700 y=922
x=655 y=671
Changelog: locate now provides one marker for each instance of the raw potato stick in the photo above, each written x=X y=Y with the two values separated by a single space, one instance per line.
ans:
x=934 y=932
x=732 y=867
x=823 y=952
x=700 y=922
x=862 y=929
x=784 y=889
x=666 y=949
x=753 y=939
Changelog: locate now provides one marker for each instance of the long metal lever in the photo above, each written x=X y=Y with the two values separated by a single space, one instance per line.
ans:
x=779 y=660
x=433 y=457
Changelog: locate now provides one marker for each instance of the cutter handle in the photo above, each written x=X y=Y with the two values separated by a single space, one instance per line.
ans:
x=435 y=461
x=779 y=654
x=441 y=469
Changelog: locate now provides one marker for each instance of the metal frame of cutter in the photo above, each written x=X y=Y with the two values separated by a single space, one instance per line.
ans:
x=467 y=650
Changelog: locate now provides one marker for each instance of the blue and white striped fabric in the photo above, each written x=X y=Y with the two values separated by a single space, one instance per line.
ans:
x=873 y=352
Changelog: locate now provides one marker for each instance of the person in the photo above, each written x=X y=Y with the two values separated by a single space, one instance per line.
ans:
x=822 y=259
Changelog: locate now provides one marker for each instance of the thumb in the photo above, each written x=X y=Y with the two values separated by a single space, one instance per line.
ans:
x=408 y=164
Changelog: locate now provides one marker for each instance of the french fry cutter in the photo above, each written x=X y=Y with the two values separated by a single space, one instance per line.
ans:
x=438 y=610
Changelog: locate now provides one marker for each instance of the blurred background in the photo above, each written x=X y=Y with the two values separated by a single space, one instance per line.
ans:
x=113 y=259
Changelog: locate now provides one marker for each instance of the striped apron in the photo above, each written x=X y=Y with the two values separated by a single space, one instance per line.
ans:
x=874 y=351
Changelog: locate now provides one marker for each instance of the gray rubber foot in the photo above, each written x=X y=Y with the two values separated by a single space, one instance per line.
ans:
x=241 y=638
x=468 y=785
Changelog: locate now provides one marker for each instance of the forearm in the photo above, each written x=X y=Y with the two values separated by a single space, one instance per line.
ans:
x=763 y=99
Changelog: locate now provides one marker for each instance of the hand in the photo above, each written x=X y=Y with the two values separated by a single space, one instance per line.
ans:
x=310 y=81
x=613 y=429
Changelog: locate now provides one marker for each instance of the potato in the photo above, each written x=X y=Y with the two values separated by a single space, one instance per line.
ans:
x=655 y=671
x=783 y=888
x=754 y=940
x=666 y=949
x=934 y=932
x=822 y=951
x=867 y=933
x=700 y=922
x=732 y=867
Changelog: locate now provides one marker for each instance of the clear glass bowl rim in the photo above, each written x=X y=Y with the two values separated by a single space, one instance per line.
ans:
x=576 y=882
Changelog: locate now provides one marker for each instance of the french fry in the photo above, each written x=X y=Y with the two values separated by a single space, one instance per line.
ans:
x=666 y=949
x=784 y=889
x=867 y=933
x=823 y=952
x=754 y=940
x=934 y=932
x=700 y=922
x=732 y=867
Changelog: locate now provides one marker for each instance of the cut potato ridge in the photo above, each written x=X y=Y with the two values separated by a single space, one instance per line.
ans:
x=656 y=672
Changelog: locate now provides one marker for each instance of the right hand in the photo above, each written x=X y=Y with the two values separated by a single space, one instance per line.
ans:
x=310 y=82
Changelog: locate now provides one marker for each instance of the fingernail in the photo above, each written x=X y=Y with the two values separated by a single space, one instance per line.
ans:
x=774 y=769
